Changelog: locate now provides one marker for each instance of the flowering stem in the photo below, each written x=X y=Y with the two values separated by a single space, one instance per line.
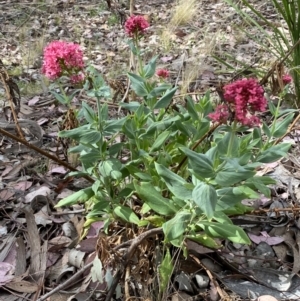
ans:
x=99 y=121
x=232 y=136
x=138 y=54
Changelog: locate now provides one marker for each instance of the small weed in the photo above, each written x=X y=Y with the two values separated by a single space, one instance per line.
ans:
x=30 y=88
x=113 y=20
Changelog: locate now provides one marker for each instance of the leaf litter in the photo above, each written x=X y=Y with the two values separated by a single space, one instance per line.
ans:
x=40 y=247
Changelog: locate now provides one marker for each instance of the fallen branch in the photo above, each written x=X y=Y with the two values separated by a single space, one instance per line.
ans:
x=42 y=152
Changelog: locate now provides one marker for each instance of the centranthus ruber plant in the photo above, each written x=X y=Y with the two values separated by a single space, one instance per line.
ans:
x=244 y=98
x=63 y=58
x=63 y=63
x=183 y=166
x=135 y=26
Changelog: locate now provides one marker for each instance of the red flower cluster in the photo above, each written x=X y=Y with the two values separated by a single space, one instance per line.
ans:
x=60 y=56
x=286 y=79
x=136 y=25
x=244 y=97
x=163 y=73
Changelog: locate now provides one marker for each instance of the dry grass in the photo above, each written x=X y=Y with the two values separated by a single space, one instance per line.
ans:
x=184 y=12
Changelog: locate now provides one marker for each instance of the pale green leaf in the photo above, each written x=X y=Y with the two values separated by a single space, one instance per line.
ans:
x=80 y=196
x=154 y=199
x=126 y=214
x=205 y=197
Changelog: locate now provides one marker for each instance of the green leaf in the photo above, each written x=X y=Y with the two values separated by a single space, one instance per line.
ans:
x=231 y=232
x=260 y=184
x=160 y=140
x=190 y=105
x=227 y=198
x=266 y=130
x=165 y=272
x=201 y=165
x=149 y=69
x=113 y=126
x=126 y=214
x=131 y=106
x=174 y=182
x=205 y=197
x=272 y=108
x=115 y=149
x=90 y=137
x=273 y=153
x=183 y=128
x=243 y=189
x=88 y=158
x=129 y=128
x=103 y=113
x=138 y=84
x=225 y=142
x=222 y=218
x=99 y=208
x=282 y=126
x=176 y=226
x=63 y=99
x=82 y=134
x=111 y=169
x=88 y=113
x=154 y=199
x=145 y=209
x=231 y=177
x=80 y=196
x=143 y=176
x=238 y=209
x=204 y=240
x=155 y=220
x=165 y=100
x=157 y=91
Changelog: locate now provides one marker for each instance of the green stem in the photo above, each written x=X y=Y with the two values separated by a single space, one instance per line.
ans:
x=140 y=63
x=99 y=121
x=67 y=100
x=231 y=141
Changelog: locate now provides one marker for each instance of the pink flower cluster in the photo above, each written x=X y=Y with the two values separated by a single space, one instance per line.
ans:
x=244 y=97
x=162 y=73
x=60 y=57
x=136 y=25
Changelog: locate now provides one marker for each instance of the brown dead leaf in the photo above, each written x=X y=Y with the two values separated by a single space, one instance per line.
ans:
x=22 y=286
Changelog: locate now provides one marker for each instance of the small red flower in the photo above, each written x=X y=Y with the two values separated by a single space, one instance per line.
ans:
x=286 y=79
x=163 y=73
x=136 y=25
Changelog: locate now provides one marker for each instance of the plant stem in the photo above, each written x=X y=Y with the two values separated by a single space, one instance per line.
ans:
x=232 y=136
